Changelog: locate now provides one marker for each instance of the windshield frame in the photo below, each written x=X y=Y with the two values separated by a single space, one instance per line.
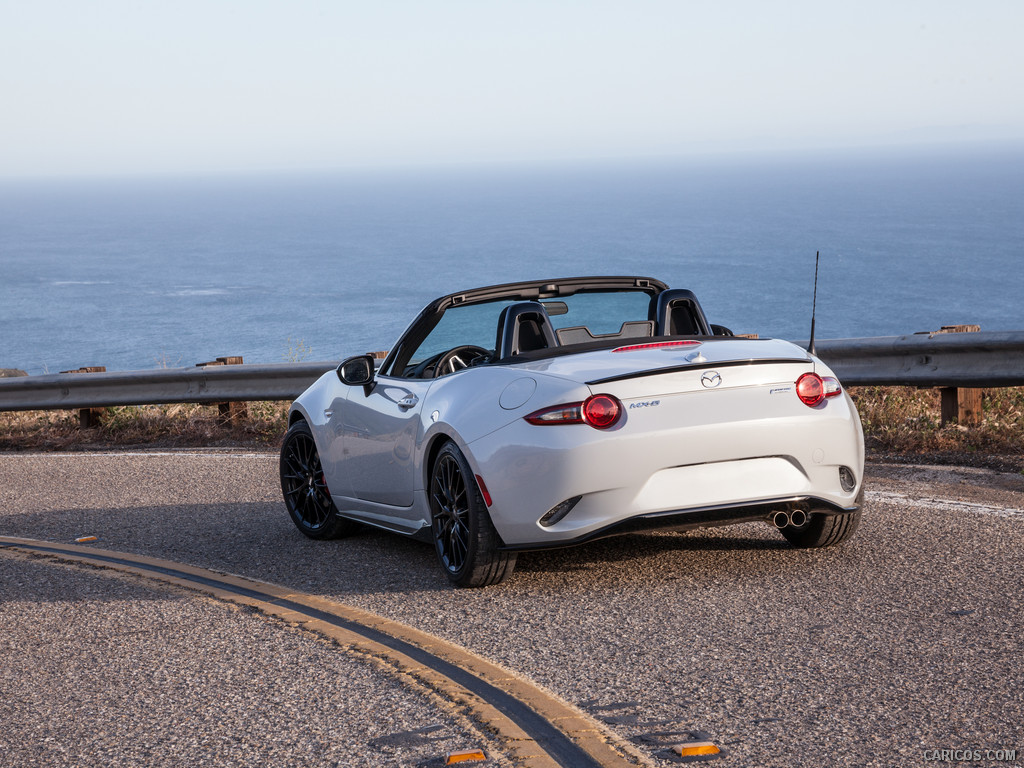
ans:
x=398 y=360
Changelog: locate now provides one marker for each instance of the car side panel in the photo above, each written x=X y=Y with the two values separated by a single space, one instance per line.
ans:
x=322 y=405
x=381 y=429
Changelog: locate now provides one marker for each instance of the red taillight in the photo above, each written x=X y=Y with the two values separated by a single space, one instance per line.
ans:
x=602 y=411
x=599 y=411
x=812 y=388
x=658 y=345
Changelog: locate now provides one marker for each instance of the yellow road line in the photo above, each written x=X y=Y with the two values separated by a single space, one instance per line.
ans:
x=536 y=728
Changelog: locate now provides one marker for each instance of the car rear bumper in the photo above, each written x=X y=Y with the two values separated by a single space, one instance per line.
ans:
x=709 y=517
x=709 y=471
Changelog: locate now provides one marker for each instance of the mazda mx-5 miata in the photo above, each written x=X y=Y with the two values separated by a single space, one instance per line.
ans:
x=545 y=414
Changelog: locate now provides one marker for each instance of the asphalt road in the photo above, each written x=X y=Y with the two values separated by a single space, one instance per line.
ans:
x=905 y=640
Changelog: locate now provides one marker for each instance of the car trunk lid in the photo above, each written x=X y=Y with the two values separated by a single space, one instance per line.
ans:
x=653 y=368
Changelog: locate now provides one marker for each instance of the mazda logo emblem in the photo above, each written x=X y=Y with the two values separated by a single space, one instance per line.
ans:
x=711 y=379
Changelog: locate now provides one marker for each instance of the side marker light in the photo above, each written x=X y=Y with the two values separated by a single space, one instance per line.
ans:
x=83 y=539
x=483 y=490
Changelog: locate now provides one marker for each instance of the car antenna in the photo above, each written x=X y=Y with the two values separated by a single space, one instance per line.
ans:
x=814 y=303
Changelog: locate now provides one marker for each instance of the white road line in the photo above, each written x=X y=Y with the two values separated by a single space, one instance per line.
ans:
x=948 y=505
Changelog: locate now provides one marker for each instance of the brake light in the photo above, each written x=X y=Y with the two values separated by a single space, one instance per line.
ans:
x=813 y=389
x=658 y=345
x=599 y=411
x=602 y=411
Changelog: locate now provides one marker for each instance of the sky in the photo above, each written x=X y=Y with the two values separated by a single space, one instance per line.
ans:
x=118 y=87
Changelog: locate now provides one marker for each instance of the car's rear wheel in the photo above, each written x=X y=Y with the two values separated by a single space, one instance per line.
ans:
x=305 y=489
x=464 y=537
x=823 y=530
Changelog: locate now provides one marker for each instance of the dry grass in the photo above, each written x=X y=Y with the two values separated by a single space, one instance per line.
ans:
x=905 y=423
x=150 y=426
x=900 y=423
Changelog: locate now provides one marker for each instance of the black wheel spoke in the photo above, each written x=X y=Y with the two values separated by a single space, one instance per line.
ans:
x=467 y=546
x=450 y=509
x=304 y=487
x=295 y=464
x=303 y=482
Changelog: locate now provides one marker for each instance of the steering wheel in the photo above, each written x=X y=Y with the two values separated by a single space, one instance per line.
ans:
x=457 y=358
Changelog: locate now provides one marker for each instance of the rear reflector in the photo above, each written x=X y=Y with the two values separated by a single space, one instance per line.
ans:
x=658 y=345
x=483 y=490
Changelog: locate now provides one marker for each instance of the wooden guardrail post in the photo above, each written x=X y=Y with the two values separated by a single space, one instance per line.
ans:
x=89 y=418
x=960 y=405
x=232 y=413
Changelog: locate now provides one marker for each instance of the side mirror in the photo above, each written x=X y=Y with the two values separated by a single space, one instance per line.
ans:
x=356 y=371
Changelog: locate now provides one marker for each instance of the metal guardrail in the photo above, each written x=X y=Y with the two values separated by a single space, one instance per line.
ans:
x=984 y=359
x=213 y=384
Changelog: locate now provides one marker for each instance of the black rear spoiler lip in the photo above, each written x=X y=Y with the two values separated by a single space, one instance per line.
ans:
x=703 y=365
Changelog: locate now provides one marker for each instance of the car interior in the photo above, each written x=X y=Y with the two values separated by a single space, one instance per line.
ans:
x=526 y=326
x=525 y=329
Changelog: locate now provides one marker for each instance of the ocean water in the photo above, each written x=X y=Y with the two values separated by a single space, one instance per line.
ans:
x=135 y=274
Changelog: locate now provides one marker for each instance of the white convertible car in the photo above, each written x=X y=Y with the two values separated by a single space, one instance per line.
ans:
x=545 y=414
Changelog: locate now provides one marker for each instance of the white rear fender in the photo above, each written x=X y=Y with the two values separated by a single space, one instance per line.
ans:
x=465 y=408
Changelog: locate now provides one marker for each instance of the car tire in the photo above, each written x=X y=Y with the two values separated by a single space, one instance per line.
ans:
x=305 y=489
x=823 y=530
x=465 y=540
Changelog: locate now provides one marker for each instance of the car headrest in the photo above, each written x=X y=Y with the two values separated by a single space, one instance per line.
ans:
x=524 y=327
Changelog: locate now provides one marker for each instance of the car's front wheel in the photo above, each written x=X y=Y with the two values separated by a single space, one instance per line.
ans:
x=305 y=489
x=464 y=537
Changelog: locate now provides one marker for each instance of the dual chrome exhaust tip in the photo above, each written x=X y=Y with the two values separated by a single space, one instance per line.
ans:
x=795 y=519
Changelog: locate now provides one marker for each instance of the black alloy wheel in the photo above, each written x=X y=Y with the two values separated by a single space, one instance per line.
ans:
x=451 y=515
x=305 y=489
x=464 y=537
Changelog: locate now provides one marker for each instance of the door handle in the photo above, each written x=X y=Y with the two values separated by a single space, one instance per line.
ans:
x=408 y=401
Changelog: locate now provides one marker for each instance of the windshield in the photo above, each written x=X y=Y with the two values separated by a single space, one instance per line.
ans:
x=475 y=324
x=601 y=313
